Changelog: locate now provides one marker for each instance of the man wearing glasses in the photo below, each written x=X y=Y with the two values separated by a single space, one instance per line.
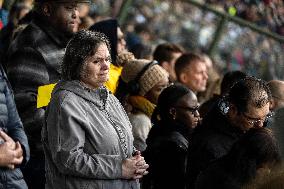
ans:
x=246 y=106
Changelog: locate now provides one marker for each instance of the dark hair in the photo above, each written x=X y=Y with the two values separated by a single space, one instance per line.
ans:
x=256 y=147
x=80 y=47
x=250 y=90
x=167 y=99
x=184 y=60
x=229 y=79
x=164 y=52
x=141 y=51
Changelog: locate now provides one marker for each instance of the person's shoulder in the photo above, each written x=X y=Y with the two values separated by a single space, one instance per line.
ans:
x=138 y=115
x=30 y=37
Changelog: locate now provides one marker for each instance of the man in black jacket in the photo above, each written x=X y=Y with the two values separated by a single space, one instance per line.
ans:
x=34 y=60
x=245 y=107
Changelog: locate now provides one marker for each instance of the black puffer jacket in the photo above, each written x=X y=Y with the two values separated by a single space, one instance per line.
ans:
x=34 y=59
x=10 y=123
x=212 y=140
x=166 y=154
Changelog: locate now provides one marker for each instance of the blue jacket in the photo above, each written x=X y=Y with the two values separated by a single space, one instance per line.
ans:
x=10 y=123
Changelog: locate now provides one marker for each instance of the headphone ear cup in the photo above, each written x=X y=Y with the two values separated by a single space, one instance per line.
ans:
x=133 y=87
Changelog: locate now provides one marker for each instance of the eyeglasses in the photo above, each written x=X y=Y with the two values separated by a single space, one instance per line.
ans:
x=192 y=110
x=254 y=121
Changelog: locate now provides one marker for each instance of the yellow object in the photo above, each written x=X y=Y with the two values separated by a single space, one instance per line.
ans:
x=44 y=95
x=142 y=104
x=232 y=11
x=114 y=74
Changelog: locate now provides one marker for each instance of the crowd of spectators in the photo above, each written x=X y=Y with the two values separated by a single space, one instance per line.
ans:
x=113 y=115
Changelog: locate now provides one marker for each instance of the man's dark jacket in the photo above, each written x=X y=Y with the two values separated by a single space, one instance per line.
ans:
x=34 y=59
x=212 y=140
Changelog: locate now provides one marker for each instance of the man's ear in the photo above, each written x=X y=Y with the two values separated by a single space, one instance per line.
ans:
x=233 y=110
x=183 y=77
x=173 y=112
x=46 y=9
x=165 y=65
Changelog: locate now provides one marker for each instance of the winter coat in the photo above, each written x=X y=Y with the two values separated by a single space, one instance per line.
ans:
x=34 y=59
x=278 y=129
x=141 y=126
x=212 y=140
x=166 y=154
x=86 y=137
x=10 y=123
x=217 y=175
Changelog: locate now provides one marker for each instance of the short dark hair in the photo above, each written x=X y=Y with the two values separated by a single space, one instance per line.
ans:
x=164 y=52
x=229 y=79
x=250 y=90
x=80 y=47
x=168 y=99
x=184 y=60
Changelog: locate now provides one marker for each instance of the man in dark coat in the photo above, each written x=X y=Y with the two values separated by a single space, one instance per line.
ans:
x=245 y=107
x=34 y=60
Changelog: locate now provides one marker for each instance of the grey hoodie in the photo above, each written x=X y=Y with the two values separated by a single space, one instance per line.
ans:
x=81 y=140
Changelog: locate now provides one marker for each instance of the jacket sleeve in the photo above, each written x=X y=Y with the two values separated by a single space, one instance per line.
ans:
x=15 y=126
x=66 y=138
x=141 y=126
x=27 y=71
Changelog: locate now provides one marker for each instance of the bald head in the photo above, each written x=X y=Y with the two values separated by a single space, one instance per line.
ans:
x=277 y=90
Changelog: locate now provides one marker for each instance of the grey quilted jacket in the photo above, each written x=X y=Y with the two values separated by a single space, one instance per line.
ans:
x=86 y=136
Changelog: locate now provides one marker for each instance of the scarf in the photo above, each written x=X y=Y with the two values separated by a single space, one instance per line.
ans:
x=142 y=104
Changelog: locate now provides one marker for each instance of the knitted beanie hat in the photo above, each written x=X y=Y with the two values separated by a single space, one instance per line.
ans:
x=149 y=79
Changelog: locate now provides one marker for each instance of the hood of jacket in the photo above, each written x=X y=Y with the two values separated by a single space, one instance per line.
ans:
x=109 y=28
x=97 y=96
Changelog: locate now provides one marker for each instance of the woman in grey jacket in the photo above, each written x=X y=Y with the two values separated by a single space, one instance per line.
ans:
x=87 y=137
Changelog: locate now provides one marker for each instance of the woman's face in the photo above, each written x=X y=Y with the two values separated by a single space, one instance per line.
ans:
x=186 y=110
x=96 y=70
x=155 y=92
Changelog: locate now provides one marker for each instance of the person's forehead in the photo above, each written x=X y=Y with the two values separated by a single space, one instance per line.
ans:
x=254 y=111
x=195 y=66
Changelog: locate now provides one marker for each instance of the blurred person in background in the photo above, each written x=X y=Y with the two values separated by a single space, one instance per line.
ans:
x=87 y=135
x=140 y=85
x=213 y=81
x=254 y=155
x=246 y=106
x=167 y=54
x=3 y=15
x=113 y=31
x=34 y=61
x=192 y=72
x=277 y=91
x=174 y=120
x=14 y=147
x=277 y=105
x=16 y=14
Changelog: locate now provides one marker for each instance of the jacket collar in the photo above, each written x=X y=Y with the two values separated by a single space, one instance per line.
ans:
x=58 y=37
x=97 y=96
x=220 y=122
